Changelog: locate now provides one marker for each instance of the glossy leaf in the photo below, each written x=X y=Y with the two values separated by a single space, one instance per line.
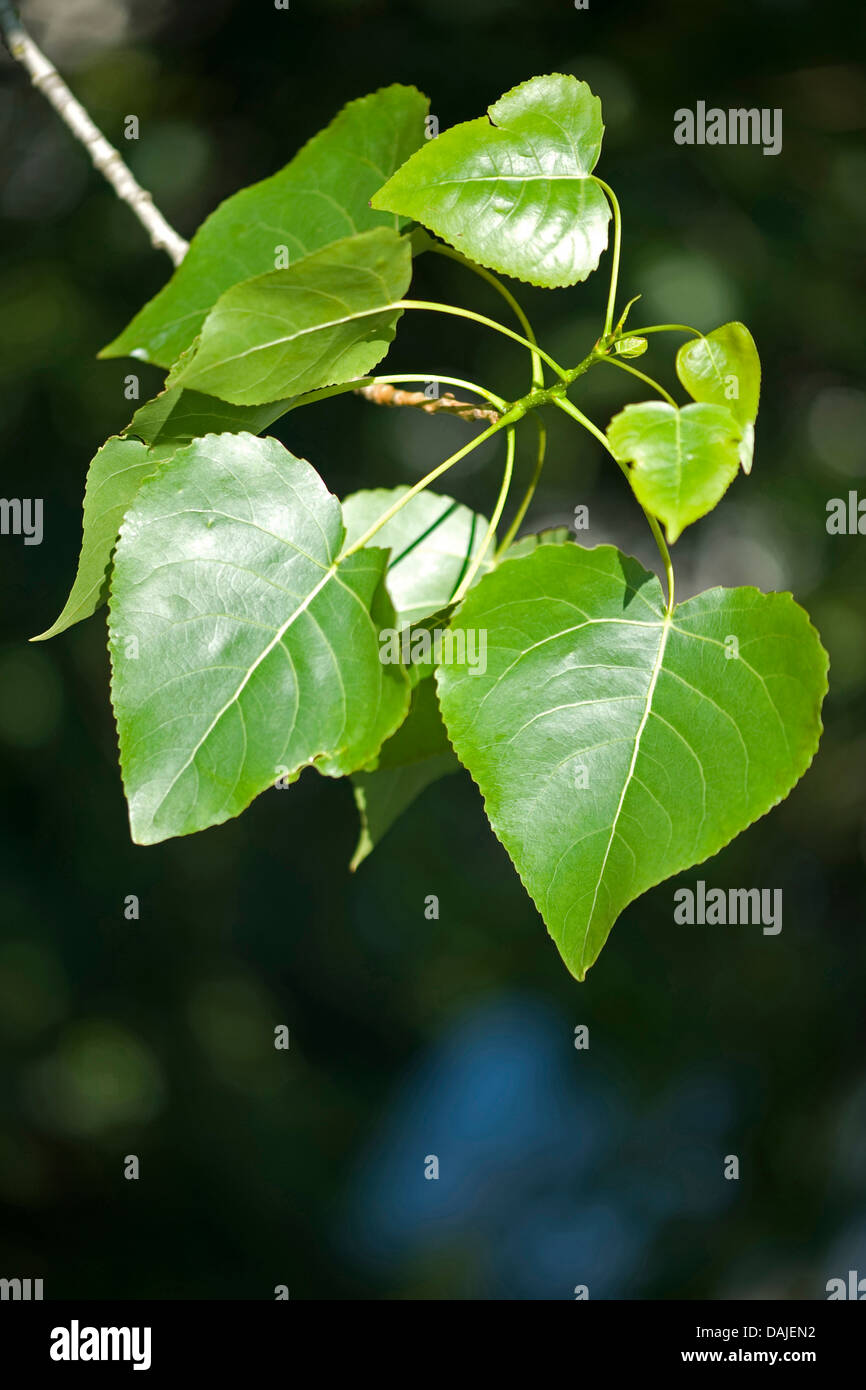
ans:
x=631 y=347
x=683 y=460
x=327 y=319
x=615 y=746
x=320 y=197
x=432 y=541
x=513 y=190
x=723 y=368
x=114 y=477
x=157 y=430
x=242 y=649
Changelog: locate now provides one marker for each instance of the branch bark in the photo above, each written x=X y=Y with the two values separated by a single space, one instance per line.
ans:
x=105 y=157
x=380 y=393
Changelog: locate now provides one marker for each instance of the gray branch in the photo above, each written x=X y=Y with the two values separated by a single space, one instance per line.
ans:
x=105 y=157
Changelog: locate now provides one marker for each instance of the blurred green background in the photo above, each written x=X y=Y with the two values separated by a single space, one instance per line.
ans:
x=412 y=1037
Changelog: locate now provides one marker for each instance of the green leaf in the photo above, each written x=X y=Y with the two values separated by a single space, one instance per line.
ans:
x=320 y=197
x=177 y=416
x=113 y=479
x=163 y=424
x=412 y=759
x=242 y=649
x=615 y=746
x=630 y=347
x=620 y=323
x=513 y=190
x=723 y=368
x=329 y=318
x=683 y=460
x=432 y=541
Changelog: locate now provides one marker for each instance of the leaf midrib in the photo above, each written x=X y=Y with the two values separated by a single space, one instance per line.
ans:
x=292 y=337
x=666 y=626
x=233 y=699
x=518 y=178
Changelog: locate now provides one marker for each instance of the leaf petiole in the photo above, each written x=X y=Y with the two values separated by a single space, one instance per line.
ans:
x=441 y=250
x=626 y=367
x=485 y=322
x=617 y=249
x=478 y=558
x=660 y=328
x=530 y=491
x=572 y=410
x=510 y=418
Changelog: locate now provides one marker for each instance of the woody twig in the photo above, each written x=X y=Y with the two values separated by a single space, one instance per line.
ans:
x=47 y=80
x=381 y=393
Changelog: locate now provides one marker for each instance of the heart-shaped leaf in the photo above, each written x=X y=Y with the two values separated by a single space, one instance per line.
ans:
x=326 y=319
x=723 y=368
x=514 y=190
x=320 y=197
x=683 y=460
x=242 y=648
x=615 y=745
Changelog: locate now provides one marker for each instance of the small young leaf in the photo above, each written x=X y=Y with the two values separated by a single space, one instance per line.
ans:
x=417 y=755
x=631 y=347
x=683 y=460
x=327 y=319
x=723 y=368
x=514 y=190
x=615 y=746
x=242 y=649
x=432 y=541
x=620 y=323
x=321 y=196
